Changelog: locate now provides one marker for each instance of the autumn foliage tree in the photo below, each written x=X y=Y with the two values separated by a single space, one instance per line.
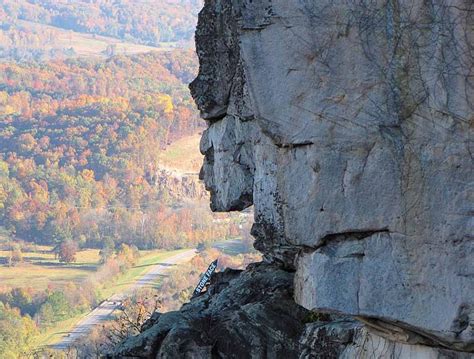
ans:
x=43 y=30
x=80 y=143
x=16 y=333
x=67 y=252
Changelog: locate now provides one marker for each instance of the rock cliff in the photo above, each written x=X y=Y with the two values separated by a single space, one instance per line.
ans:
x=179 y=186
x=349 y=126
x=252 y=314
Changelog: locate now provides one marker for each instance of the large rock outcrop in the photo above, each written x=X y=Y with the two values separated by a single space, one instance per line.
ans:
x=252 y=314
x=242 y=315
x=349 y=126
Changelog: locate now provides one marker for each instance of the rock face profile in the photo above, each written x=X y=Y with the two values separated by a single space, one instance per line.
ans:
x=348 y=125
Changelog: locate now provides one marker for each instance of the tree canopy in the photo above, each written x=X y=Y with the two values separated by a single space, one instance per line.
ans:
x=79 y=145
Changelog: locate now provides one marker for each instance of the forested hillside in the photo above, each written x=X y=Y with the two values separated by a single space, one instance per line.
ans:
x=142 y=21
x=99 y=157
x=79 y=148
x=44 y=29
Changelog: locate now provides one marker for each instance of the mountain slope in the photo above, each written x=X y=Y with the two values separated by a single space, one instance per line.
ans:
x=46 y=29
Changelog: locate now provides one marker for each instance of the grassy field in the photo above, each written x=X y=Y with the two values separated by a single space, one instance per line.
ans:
x=40 y=268
x=183 y=155
x=232 y=247
x=52 y=335
x=148 y=258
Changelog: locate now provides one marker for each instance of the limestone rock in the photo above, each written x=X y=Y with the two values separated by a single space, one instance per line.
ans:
x=251 y=314
x=178 y=185
x=367 y=345
x=231 y=181
x=349 y=127
x=211 y=90
x=327 y=340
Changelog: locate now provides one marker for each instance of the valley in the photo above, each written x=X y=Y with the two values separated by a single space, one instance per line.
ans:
x=99 y=163
x=72 y=44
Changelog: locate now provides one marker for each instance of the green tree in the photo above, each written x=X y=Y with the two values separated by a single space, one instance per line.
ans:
x=4 y=171
x=108 y=249
x=16 y=333
x=46 y=314
x=55 y=308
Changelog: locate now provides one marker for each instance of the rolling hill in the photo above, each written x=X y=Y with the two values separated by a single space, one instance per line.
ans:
x=46 y=29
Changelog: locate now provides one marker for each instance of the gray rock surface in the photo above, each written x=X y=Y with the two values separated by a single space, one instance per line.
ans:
x=346 y=339
x=366 y=345
x=349 y=127
x=252 y=314
x=242 y=315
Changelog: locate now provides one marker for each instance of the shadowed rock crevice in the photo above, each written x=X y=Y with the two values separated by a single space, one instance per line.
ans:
x=344 y=236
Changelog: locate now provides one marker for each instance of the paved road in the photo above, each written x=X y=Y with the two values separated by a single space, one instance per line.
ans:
x=106 y=308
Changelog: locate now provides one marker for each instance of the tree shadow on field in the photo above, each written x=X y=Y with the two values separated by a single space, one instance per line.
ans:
x=34 y=259
x=91 y=268
x=154 y=264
